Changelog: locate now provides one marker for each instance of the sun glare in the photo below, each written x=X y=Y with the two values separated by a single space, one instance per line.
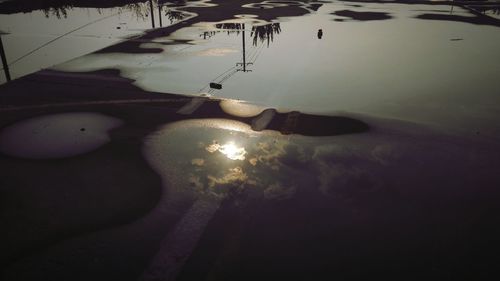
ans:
x=232 y=151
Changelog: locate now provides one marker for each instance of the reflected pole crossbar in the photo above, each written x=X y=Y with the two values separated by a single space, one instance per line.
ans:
x=244 y=64
x=4 y=61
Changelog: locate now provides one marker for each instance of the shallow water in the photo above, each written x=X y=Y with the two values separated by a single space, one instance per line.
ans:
x=57 y=135
x=377 y=59
x=39 y=39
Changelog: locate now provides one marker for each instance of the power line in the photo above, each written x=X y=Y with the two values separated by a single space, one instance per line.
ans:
x=59 y=37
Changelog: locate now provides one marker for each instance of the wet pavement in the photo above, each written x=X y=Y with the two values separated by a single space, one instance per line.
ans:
x=243 y=140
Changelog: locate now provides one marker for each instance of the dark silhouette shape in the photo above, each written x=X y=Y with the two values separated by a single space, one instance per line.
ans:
x=320 y=33
x=152 y=13
x=212 y=14
x=265 y=33
x=362 y=16
x=244 y=62
x=479 y=19
x=215 y=86
x=262 y=33
x=59 y=7
x=174 y=15
x=230 y=27
x=288 y=123
x=484 y=9
x=315 y=125
x=4 y=60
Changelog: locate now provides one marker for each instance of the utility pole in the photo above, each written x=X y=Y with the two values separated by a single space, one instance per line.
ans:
x=152 y=13
x=159 y=14
x=4 y=60
x=244 y=63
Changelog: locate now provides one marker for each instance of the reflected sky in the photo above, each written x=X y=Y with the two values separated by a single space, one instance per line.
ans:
x=410 y=62
x=47 y=37
x=403 y=67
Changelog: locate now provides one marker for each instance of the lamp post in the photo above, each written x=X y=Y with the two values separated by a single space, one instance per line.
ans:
x=159 y=14
x=244 y=63
x=152 y=13
x=4 y=59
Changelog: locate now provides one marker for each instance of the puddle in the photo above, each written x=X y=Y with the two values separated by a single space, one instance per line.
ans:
x=217 y=157
x=329 y=60
x=39 y=38
x=416 y=62
x=57 y=135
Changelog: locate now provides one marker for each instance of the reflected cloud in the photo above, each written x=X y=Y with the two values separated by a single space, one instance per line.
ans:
x=230 y=150
x=198 y=162
x=278 y=191
x=234 y=175
x=233 y=152
x=193 y=156
x=261 y=163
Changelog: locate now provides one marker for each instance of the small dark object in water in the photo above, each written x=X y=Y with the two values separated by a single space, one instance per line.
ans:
x=82 y=129
x=215 y=86
x=456 y=39
x=118 y=27
x=320 y=33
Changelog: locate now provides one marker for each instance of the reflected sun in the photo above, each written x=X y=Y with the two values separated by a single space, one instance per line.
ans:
x=232 y=151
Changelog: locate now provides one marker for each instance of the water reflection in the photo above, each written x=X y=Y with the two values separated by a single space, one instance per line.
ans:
x=361 y=16
x=230 y=149
x=175 y=16
x=493 y=10
x=221 y=157
x=141 y=9
x=215 y=159
x=57 y=135
x=60 y=8
x=263 y=33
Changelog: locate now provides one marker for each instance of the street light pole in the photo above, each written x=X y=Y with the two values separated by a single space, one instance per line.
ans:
x=159 y=14
x=244 y=63
x=152 y=13
x=4 y=61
